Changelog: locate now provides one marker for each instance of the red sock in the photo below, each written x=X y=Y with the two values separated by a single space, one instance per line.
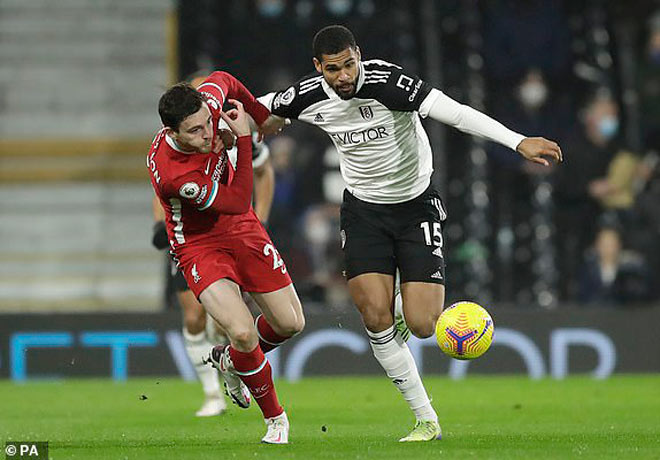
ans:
x=268 y=338
x=254 y=370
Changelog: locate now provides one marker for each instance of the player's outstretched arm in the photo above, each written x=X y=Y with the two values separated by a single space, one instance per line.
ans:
x=442 y=108
x=539 y=150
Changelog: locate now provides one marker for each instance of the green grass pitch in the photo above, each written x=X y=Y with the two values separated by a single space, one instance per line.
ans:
x=482 y=417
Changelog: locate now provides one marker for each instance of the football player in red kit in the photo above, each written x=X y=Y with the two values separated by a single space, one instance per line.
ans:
x=217 y=239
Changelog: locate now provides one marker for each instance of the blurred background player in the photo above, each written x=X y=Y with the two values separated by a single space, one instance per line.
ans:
x=391 y=215
x=217 y=239
x=200 y=332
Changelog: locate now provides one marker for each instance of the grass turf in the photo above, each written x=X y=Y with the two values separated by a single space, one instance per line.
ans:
x=482 y=417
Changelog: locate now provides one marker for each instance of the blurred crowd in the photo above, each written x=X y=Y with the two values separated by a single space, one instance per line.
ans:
x=584 y=73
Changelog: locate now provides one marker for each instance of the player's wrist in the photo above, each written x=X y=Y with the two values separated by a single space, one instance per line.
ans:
x=519 y=144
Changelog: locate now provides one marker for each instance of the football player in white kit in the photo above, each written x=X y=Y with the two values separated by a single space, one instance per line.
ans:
x=391 y=216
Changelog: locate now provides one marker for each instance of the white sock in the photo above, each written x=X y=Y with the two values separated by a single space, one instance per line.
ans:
x=198 y=347
x=394 y=356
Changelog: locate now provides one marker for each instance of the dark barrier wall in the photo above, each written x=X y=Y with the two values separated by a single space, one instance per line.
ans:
x=555 y=344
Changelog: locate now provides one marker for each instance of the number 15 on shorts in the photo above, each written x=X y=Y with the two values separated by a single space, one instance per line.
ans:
x=434 y=239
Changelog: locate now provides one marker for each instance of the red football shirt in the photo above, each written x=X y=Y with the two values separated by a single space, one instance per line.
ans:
x=190 y=186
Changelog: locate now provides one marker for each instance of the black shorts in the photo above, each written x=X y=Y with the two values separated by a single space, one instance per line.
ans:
x=379 y=238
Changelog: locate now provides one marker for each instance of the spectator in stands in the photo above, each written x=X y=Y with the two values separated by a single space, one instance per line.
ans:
x=528 y=111
x=611 y=276
x=580 y=189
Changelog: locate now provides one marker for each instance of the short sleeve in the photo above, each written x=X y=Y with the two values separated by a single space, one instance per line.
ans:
x=291 y=102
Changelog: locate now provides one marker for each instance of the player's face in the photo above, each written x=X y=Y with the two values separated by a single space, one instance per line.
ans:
x=341 y=71
x=196 y=131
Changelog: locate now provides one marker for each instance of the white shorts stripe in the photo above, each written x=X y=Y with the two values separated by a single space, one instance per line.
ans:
x=438 y=204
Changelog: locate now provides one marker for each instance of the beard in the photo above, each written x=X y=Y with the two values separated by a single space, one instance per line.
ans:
x=204 y=148
x=347 y=93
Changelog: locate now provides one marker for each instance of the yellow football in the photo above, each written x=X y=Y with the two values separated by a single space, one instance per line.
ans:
x=464 y=330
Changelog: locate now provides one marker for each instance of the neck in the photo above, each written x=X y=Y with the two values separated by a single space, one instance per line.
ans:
x=175 y=145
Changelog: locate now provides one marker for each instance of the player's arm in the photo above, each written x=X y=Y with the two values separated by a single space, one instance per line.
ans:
x=274 y=123
x=407 y=92
x=441 y=107
x=222 y=86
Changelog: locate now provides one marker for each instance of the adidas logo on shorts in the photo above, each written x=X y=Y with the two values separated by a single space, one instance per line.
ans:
x=437 y=275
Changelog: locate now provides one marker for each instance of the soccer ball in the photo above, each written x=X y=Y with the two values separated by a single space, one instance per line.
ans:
x=464 y=330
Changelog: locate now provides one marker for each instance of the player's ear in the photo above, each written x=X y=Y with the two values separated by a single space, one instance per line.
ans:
x=170 y=132
x=317 y=65
x=358 y=53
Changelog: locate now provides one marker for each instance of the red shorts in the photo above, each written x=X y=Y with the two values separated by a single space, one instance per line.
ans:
x=246 y=255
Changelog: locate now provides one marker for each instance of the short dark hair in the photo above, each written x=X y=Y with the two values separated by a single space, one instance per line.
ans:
x=177 y=104
x=332 y=40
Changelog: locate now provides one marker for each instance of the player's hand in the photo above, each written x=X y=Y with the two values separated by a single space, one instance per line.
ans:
x=224 y=140
x=272 y=125
x=237 y=119
x=539 y=150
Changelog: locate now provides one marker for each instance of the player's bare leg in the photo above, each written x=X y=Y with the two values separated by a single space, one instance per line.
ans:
x=242 y=362
x=198 y=346
x=373 y=294
x=282 y=316
x=422 y=305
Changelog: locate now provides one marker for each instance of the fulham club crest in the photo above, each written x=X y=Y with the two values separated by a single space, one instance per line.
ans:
x=366 y=112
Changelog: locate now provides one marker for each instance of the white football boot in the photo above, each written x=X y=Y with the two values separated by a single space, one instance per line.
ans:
x=426 y=430
x=234 y=387
x=278 y=430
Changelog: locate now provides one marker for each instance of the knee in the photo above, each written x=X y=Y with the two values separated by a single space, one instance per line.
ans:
x=423 y=326
x=297 y=326
x=375 y=318
x=290 y=326
x=244 y=339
